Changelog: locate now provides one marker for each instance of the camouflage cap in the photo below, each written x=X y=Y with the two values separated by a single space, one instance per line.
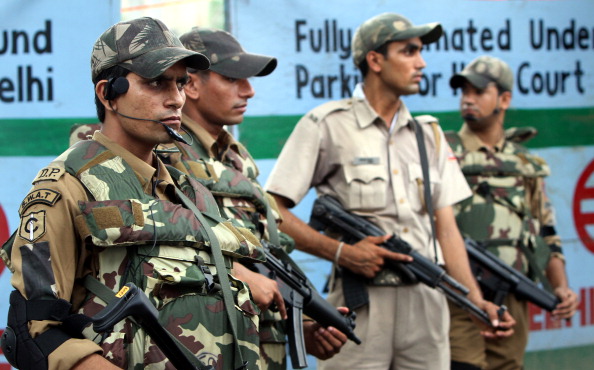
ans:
x=387 y=27
x=144 y=46
x=226 y=55
x=483 y=70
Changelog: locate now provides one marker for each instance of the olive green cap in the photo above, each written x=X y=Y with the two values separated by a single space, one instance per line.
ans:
x=483 y=70
x=387 y=27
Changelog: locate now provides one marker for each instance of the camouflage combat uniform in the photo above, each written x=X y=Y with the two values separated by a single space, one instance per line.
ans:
x=99 y=210
x=230 y=173
x=508 y=211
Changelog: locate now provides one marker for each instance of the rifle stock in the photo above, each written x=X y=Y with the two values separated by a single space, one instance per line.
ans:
x=130 y=301
x=498 y=278
x=301 y=297
x=328 y=213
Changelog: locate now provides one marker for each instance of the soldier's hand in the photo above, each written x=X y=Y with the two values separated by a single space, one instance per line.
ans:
x=503 y=322
x=367 y=258
x=568 y=305
x=323 y=343
x=265 y=291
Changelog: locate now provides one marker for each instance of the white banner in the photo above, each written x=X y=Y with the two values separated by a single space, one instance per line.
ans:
x=45 y=56
x=548 y=44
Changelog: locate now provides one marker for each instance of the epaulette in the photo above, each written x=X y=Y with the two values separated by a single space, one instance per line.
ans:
x=319 y=113
x=434 y=122
x=520 y=134
x=82 y=131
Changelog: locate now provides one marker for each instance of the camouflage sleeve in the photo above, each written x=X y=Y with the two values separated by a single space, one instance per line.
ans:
x=46 y=254
x=546 y=218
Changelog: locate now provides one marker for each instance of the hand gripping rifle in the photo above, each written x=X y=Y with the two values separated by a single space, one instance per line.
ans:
x=327 y=213
x=301 y=297
x=130 y=301
x=497 y=279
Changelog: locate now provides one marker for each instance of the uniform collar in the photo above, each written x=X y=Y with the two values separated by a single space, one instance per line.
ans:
x=212 y=145
x=366 y=115
x=144 y=171
x=473 y=143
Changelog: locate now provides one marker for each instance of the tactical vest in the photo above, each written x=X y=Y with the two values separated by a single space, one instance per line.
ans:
x=157 y=244
x=498 y=214
x=233 y=182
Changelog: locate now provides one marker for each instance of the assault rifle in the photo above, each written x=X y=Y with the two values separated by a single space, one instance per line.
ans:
x=301 y=297
x=130 y=301
x=327 y=213
x=497 y=279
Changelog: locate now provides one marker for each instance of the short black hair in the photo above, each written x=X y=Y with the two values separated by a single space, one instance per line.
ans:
x=112 y=72
x=364 y=67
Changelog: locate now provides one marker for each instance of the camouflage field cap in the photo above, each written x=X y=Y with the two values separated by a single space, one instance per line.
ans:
x=386 y=27
x=483 y=70
x=226 y=55
x=144 y=46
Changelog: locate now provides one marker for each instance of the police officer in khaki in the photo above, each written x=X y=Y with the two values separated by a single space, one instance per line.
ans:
x=107 y=212
x=508 y=212
x=363 y=152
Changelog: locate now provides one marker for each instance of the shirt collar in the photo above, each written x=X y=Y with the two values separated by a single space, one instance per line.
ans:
x=473 y=143
x=213 y=146
x=144 y=171
x=366 y=115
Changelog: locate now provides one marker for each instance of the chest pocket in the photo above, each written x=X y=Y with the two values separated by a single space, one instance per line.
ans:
x=366 y=186
x=416 y=195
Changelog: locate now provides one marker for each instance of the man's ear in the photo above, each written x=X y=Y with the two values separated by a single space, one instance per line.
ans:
x=192 y=88
x=505 y=98
x=100 y=91
x=374 y=60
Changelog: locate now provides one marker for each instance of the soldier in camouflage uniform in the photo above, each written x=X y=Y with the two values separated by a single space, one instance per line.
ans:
x=108 y=211
x=363 y=152
x=216 y=98
x=508 y=211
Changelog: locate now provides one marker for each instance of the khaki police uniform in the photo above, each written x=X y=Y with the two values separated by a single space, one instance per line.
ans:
x=344 y=149
x=57 y=257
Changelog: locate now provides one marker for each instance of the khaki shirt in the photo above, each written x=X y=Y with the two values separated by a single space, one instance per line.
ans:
x=55 y=249
x=344 y=149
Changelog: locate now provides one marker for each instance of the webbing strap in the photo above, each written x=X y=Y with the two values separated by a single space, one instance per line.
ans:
x=426 y=181
x=221 y=272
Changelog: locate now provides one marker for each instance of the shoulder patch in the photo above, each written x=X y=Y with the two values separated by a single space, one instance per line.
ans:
x=32 y=226
x=320 y=112
x=49 y=173
x=39 y=196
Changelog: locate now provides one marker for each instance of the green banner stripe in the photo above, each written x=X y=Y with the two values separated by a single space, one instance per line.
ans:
x=264 y=136
x=36 y=137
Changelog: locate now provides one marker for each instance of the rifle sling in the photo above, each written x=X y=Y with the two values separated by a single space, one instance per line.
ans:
x=426 y=181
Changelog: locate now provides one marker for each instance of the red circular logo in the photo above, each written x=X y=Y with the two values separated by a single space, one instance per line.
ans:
x=583 y=219
x=3 y=233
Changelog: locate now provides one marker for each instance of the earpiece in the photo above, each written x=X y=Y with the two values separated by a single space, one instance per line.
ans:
x=116 y=87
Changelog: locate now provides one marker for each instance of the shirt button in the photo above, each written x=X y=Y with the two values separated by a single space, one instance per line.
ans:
x=402 y=200
x=405 y=230
x=395 y=172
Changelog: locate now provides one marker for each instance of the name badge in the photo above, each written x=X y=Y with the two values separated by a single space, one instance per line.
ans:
x=365 y=160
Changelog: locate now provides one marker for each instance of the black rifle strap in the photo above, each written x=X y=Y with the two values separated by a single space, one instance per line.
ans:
x=221 y=272
x=426 y=181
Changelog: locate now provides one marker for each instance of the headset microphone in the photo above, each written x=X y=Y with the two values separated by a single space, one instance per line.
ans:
x=120 y=86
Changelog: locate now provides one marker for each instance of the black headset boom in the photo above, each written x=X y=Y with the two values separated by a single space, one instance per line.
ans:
x=116 y=87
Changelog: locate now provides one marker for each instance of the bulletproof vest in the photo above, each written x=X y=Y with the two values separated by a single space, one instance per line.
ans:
x=498 y=213
x=232 y=179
